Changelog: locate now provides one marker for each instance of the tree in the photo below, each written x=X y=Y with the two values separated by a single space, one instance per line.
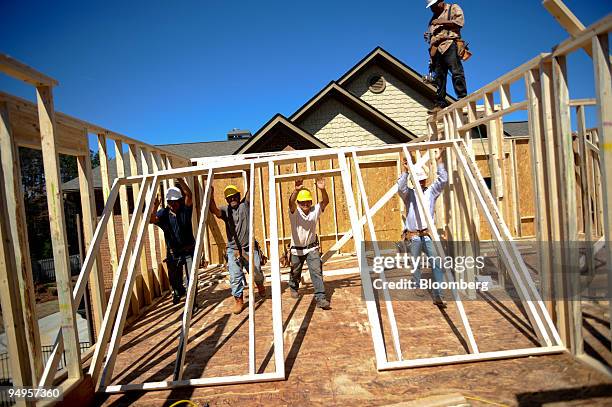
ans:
x=35 y=199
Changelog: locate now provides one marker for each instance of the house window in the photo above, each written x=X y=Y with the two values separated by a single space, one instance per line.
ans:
x=377 y=84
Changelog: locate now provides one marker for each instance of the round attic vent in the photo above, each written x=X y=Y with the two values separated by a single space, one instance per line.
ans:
x=377 y=83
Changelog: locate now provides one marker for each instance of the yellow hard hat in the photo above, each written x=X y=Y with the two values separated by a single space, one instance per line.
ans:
x=230 y=190
x=304 y=195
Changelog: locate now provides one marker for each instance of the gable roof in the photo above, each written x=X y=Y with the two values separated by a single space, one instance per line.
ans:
x=381 y=57
x=516 y=129
x=357 y=104
x=204 y=148
x=280 y=121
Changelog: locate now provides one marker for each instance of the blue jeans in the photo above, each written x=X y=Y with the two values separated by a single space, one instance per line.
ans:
x=176 y=265
x=315 y=267
x=418 y=245
x=237 y=264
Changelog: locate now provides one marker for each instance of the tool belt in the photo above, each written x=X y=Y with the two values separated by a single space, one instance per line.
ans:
x=409 y=234
x=243 y=253
x=310 y=246
x=183 y=251
x=463 y=50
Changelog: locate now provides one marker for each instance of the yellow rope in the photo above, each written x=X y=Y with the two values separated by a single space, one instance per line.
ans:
x=191 y=403
x=485 y=401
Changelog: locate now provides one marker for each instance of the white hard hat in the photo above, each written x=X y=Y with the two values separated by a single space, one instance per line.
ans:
x=430 y=3
x=173 y=194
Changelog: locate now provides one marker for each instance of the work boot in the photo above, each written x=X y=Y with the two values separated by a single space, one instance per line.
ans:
x=438 y=301
x=294 y=293
x=176 y=297
x=238 y=305
x=323 y=303
x=261 y=290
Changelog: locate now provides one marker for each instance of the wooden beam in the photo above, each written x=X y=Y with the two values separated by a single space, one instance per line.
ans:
x=297 y=156
x=495 y=158
x=439 y=250
x=388 y=302
x=148 y=272
x=537 y=144
x=72 y=123
x=346 y=237
x=568 y=281
x=23 y=72
x=142 y=217
x=494 y=115
x=603 y=86
x=518 y=271
x=307 y=175
x=582 y=102
x=454 y=359
x=586 y=189
x=19 y=231
x=277 y=316
x=12 y=312
x=262 y=210
x=333 y=201
x=88 y=207
x=137 y=301
x=510 y=77
x=380 y=352
x=192 y=289
x=79 y=289
x=105 y=175
x=514 y=190
x=153 y=234
x=57 y=222
x=566 y=19
x=201 y=382
x=113 y=301
x=252 y=355
x=570 y=45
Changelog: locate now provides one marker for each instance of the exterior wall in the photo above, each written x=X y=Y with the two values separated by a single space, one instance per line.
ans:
x=399 y=101
x=339 y=126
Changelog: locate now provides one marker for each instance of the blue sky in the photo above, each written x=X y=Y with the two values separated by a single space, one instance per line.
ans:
x=186 y=71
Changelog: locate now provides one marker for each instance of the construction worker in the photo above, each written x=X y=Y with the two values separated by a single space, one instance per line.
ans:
x=304 y=240
x=175 y=221
x=415 y=230
x=446 y=49
x=236 y=217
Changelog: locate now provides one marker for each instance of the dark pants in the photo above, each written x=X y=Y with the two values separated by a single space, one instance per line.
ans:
x=176 y=265
x=313 y=259
x=442 y=63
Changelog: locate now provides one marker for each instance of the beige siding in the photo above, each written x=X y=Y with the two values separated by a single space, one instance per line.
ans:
x=338 y=126
x=398 y=101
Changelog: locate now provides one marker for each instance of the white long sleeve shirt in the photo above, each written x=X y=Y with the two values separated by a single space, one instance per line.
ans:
x=408 y=195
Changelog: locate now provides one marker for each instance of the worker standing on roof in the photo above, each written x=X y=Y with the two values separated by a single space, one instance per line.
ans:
x=446 y=49
x=175 y=221
x=237 y=223
x=415 y=230
x=304 y=240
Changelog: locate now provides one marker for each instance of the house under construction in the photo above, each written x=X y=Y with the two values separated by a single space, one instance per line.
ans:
x=531 y=198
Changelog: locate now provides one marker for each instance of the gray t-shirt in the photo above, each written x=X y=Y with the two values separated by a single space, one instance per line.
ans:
x=236 y=220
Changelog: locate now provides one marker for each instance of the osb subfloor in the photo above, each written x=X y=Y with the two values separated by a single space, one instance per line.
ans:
x=330 y=358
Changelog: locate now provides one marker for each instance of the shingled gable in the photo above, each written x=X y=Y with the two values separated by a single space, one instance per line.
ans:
x=382 y=58
x=334 y=91
x=280 y=134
